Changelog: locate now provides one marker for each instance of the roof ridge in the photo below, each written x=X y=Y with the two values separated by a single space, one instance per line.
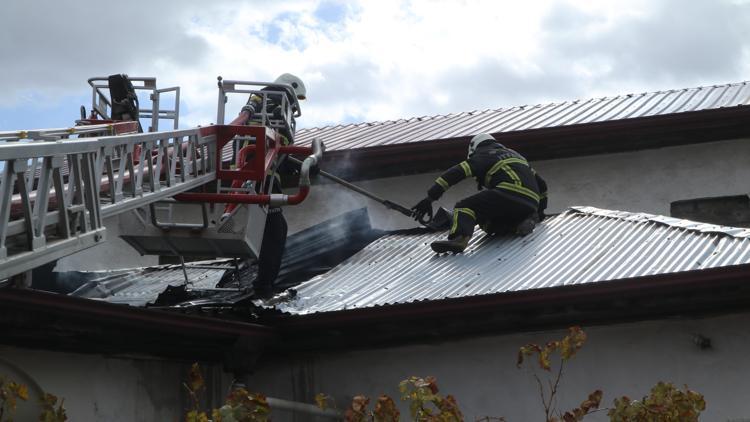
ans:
x=401 y=120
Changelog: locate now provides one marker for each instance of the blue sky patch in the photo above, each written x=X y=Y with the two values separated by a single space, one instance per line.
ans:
x=44 y=113
x=330 y=12
x=274 y=32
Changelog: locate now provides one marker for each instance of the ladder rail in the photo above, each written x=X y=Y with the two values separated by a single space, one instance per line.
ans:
x=107 y=176
x=64 y=133
x=101 y=103
x=263 y=90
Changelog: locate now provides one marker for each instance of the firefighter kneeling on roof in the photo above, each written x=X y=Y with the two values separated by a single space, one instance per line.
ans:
x=513 y=200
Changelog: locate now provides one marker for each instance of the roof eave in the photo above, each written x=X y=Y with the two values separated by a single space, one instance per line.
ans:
x=351 y=320
x=32 y=318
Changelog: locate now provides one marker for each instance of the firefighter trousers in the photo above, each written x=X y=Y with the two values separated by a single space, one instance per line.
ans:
x=493 y=209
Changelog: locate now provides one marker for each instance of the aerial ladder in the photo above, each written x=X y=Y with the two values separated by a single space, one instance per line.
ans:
x=57 y=186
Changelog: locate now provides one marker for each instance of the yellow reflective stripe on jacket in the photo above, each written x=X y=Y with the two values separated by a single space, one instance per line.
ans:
x=467 y=211
x=443 y=183
x=519 y=189
x=513 y=175
x=466 y=167
x=500 y=164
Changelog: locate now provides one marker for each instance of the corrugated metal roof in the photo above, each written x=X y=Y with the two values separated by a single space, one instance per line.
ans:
x=582 y=245
x=426 y=128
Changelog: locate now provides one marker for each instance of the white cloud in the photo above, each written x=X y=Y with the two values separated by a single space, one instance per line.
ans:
x=377 y=60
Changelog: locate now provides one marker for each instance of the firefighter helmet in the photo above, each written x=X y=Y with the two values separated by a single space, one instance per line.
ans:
x=295 y=82
x=478 y=140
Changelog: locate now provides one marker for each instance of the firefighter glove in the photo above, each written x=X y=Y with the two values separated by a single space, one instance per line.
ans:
x=424 y=207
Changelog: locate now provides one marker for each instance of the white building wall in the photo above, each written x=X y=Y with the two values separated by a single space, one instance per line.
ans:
x=624 y=359
x=106 y=389
x=641 y=181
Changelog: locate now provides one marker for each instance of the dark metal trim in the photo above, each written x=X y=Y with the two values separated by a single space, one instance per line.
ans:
x=151 y=319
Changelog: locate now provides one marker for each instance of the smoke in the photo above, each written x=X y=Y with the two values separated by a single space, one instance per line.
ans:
x=328 y=200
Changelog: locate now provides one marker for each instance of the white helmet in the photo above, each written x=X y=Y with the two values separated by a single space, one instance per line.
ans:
x=295 y=82
x=478 y=140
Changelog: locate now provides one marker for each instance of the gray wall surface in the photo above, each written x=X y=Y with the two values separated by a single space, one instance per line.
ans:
x=623 y=359
x=642 y=181
x=97 y=388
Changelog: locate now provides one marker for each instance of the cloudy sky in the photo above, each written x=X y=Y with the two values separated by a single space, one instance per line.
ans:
x=366 y=60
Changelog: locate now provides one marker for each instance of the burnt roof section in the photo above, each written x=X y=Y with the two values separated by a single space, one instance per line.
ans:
x=544 y=131
x=309 y=252
x=211 y=325
x=583 y=246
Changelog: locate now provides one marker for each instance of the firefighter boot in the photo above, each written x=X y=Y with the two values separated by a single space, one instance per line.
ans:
x=527 y=225
x=455 y=245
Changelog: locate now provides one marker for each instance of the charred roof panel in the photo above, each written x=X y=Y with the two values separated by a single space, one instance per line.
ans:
x=582 y=245
x=141 y=286
x=308 y=253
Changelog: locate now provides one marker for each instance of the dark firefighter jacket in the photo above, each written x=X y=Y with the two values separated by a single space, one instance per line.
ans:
x=496 y=167
x=274 y=102
x=273 y=106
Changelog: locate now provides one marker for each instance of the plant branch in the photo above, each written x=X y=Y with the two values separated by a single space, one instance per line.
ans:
x=553 y=391
x=544 y=399
x=559 y=376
